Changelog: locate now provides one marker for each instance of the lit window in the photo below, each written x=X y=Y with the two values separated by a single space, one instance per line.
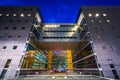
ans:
x=96 y=15
x=92 y=20
x=89 y=15
x=104 y=14
x=52 y=26
x=100 y=21
x=14 y=14
x=108 y=21
x=7 y=14
x=0 y=14
x=22 y=15
x=29 y=14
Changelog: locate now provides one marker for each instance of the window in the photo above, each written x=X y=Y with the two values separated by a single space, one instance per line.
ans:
x=102 y=74
x=29 y=14
x=1 y=36
x=0 y=14
x=118 y=36
x=99 y=37
x=7 y=14
x=109 y=61
x=104 y=14
x=3 y=74
x=14 y=47
x=22 y=15
x=23 y=28
x=6 y=28
x=26 y=20
x=4 y=47
x=19 y=36
x=4 y=9
x=92 y=20
x=59 y=37
x=89 y=15
x=14 y=28
x=96 y=15
x=11 y=9
x=111 y=65
x=99 y=65
x=113 y=28
x=14 y=14
x=115 y=74
x=100 y=21
x=108 y=21
x=9 y=36
x=18 y=20
x=104 y=47
x=59 y=31
x=7 y=63
x=25 y=9
x=31 y=9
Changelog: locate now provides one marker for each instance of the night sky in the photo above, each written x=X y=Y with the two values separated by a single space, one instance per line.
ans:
x=58 y=11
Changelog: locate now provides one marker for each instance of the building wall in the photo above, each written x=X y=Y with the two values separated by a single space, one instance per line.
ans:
x=14 y=31
x=104 y=30
x=59 y=33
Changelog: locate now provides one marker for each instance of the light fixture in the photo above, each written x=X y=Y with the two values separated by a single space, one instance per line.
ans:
x=22 y=15
x=18 y=69
x=53 y=77
x=104 y=14
x=52 y=26
x=89 y=15
x=96 y=15
x=65 y=77
x=100 y=69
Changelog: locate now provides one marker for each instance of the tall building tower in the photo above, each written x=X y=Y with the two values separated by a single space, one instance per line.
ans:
x=15 y=28
x=103 y=27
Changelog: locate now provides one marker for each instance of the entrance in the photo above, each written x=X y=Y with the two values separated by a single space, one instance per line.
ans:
x=60 y=61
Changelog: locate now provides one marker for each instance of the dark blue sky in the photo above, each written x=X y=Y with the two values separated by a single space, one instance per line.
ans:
x=58 y=11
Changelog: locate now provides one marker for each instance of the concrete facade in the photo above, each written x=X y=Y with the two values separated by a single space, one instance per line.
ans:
x=15 y=26
x=104 y=27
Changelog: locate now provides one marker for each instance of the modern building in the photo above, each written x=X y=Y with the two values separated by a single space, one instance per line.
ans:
x=88 y=47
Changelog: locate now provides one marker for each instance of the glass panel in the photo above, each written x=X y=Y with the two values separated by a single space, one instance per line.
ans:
x=3 y=74
x=7 y=63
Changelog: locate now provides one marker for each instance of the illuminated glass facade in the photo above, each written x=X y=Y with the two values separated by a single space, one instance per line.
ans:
x=31 y=47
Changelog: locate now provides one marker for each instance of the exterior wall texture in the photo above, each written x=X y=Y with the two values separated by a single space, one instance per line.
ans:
x=15 y=25
x=104 y=27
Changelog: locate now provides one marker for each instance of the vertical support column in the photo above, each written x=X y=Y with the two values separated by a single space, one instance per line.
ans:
x=69 y=56
x=50 y=54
